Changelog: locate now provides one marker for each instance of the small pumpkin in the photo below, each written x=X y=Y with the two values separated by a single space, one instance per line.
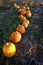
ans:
x=23 y=12
x=15 y=5
x=36 y=3
x=29 y=13
x=26 y=23
x=24 y=18
x=15 y=36
x=28 y=8
x=19 y=10
x=18 y=6
x=24 y=7
x=21 y=17
x=9 y=49
x=41 y=3
x=21 y=29
x=32 y=3
x=24 y=2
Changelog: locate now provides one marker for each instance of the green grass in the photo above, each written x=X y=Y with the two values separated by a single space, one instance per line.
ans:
x=10 y=22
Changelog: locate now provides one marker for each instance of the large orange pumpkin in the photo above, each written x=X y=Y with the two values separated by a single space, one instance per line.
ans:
x=9 y=49
x=26 y=23
x=15 y=37
x=29 y=13
x=21 y=29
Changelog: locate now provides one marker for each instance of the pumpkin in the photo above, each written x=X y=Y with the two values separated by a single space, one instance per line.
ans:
x=25 y=24
x=21 y=29
x=24 y=2
x=24 y=18
x=29 y=13
x=15 y=36
x=28 y=8
x=36 y=3
x=19 y=10
x=15 y=5
x=18 y=6
x=24 y=7
x=23 y=12
x=41 y=3
x=27 y=21
x=21 y=17
x=9 y=49
x=32 y=3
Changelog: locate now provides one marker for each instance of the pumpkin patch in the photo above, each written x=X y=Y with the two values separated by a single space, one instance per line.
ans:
x=21 y=41
x=9 y=49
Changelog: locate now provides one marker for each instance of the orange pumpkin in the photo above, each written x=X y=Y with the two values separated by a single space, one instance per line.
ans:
x=24 y=7
x=29 y=14
x=26 y=23
x=15 y=36
x=21 y=29
x=24 y=18
x=41 y=3
x=21 y=17
x=18 y=6
x=23 y=12
x=32 y=3
x=9 y=49
x=15 y=5
x=36 y=3
x=24 y=2
x=28 y=8
x=19 y=10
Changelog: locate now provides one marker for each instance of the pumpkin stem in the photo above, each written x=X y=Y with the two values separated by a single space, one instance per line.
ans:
x=7 y=44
